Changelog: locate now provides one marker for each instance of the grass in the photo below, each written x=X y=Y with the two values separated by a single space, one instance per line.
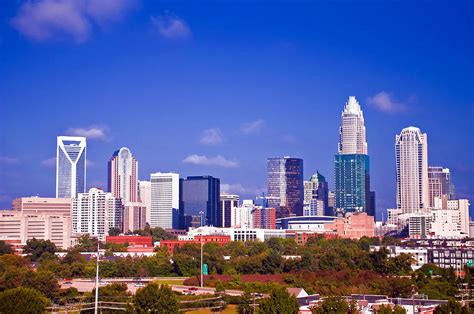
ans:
x=230 y=309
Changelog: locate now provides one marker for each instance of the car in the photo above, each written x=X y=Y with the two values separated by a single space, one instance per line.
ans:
x=104 y=283
x=187 y=292
x=139 y=284
x=137 y=279
x=67 y=283
x=193 y=289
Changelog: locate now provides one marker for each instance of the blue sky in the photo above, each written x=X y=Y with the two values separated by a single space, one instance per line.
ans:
x=217 y=87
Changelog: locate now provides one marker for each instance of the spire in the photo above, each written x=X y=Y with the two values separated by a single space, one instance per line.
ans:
x=352 y=106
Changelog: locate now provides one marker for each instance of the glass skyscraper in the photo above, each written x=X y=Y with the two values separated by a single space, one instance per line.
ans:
x=285 y=186
x=70 y=166
x=352 y=164
x=200 y=193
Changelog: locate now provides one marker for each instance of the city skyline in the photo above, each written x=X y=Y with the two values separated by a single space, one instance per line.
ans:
x=228 y=128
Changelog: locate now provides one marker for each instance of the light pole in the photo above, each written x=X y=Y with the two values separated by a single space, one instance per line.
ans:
x=96 y=307
x=202 y=276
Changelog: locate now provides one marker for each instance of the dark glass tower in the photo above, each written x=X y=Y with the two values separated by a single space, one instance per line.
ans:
x=285 y=186
x=200 y=193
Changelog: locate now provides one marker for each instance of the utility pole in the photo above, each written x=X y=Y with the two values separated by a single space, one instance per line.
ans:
x=96 y=307
x=202 y=276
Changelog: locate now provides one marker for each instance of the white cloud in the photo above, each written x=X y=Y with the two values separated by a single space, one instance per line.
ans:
x=383 y=102
x=210 y=161
x=93 y=132
x=9 y=161
x=43 y=20
x=170 y=26
x=211 y=137
x=50 y=162
x=252 y=127
x=237 y=188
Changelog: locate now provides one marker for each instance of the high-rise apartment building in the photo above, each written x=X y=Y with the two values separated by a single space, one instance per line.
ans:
x=352 y=163
x=201 y=194
x=144 y=196
x=264 y=218
x=70 y=166
x=439 y=184
x=123 y=175
x=411 y=152
x=285 y=186
x=96 y=212
x=242 y=216
x=164 y=200
x=228 y=201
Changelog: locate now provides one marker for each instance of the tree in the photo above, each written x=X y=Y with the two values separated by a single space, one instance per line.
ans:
x=114 y=231
x=5 y=248
x=36 y=248
x=384 y=309
x=22 y=300
x=86 y=243
x=280 y=301
x=116 y=292
x=332 y=305
x=155 y=298
x=245 y=305
x=452 y=307
x=399 y=310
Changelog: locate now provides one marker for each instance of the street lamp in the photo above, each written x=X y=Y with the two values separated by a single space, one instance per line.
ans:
x=202 y=276
x=96 y=307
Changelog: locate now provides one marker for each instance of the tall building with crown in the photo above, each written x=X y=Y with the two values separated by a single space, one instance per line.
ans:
x=123 y=176
x=352 y=163
x=70 y=166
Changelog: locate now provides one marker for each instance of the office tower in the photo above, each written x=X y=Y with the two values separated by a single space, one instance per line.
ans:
x=96 y=212
x=331 y=203
x=242 y=216
x=144 y=196
x=411 y=154
x=70 y=166
x=439 y=184
x=352 y=130
x=228 y=201
x=201 y=193
x=123 y=175
x=134 y=215
x=164 y=199
x=285 y=186
x=264 y=218
x=24 y=225
x=316 y=195
x=43 y=205
x=352 y=164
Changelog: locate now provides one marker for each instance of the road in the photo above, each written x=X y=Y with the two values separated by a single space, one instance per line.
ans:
x=87 y=285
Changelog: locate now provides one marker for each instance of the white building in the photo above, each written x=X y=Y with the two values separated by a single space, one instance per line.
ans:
x=70 y=166
x=96 y=212
x=144 y=196
x=352 y=132
x=123 y=176
x=450 y=217
x=419 y=254
x=236 y=234
x=26 y=225
x=242 y=216
x=411 y=152
x=228 y=201
x=164 y=199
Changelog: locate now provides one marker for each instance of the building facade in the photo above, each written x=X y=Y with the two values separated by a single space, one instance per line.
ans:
x=316 y=196
x=134 y=216
x=352 y=163
x=285 y=186
x=264 y=218
x=439 y=184
x=201 y=194
x=43 y=205
x=70 y=166
x=411 y=152
x=228 y=201
x=164 y=200
x=144 y=196
x=96 y=212
x=123 y=175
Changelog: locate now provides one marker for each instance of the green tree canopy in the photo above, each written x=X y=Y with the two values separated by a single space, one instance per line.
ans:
x=155 y=298
x=332 y=305
x=280 y=301
x=37 y=248
x=22 y=300
x=5 y=248
x=115 y=231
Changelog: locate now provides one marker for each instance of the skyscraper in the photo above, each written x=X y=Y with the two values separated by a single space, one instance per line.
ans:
x=144 y=196
x=123 y=175
x=316 y=195
x=352 y=163
x=96 y=212
x=164 y=200
x=285 y=186
x=201 y=193
x=411 y=153
x=228 y=201
x=70 y=166
x=440 y=184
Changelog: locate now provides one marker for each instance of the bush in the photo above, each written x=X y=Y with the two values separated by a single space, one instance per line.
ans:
x=22 y=300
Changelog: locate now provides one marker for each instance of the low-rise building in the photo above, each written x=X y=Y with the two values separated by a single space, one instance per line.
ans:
x=353 y=226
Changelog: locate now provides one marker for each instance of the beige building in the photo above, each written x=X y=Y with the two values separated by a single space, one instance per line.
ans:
x=23 y=226
x=134 y=216
x=43 y=205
